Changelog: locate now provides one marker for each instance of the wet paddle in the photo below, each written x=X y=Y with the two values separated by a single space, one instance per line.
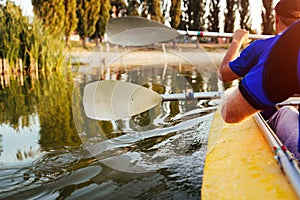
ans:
x=139 y=31
x=113 y=100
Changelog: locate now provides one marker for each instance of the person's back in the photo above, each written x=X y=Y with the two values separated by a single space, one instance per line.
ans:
x=273 y=78
x=286 y=12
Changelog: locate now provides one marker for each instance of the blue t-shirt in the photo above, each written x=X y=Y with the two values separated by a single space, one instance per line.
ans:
x=250 y=65
x=250 y=56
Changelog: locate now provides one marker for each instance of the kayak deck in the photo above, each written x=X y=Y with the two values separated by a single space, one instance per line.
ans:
x=240 y=165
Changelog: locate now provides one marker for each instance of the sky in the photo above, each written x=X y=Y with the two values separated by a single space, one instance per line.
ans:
x=254 y=4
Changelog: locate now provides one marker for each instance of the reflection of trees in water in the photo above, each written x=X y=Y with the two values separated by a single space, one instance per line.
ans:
x=18 y=103
x=50 y=98
x=24 y=154
x=55 y=113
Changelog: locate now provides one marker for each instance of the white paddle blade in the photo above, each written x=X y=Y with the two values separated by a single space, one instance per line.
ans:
x=138 y=31
x=113 y=100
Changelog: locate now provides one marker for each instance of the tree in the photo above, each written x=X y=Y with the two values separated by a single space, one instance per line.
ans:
x=155 y=10
x=88 y=15
x=195 y=14
x=152 y=9
x=132 y=8
x=51 y=12
x=103 y=20
x=175 y=13
x=70 y=18
x=230 y=16
x=244 y=11
x=267 y=17
x=213 y=17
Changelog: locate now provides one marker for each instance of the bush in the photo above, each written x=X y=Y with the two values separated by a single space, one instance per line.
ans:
x=29 y=40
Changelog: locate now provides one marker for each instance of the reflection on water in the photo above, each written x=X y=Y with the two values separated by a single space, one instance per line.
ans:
x=50 y=149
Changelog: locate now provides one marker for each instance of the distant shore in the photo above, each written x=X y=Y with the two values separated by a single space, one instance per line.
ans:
x=107 y=54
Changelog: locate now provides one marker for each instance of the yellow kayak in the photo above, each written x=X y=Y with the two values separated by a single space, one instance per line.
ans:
x=240 y=164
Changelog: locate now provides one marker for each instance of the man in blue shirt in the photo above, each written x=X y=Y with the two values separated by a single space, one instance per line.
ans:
x=266 y=81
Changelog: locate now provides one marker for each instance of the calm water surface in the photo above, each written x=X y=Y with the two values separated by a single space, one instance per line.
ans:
x=49 y=149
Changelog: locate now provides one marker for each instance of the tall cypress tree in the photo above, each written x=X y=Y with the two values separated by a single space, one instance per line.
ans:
x=155 y=10
x=52 y=13
x=267 y=17
x=88 y=15
x=230 y=16
x=70 y=18
x=103 y=20
x=194 y=11
x=175 y=13
x=213 y=17
x=244 y=11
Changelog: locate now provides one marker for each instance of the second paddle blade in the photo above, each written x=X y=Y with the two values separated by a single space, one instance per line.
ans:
x=138 y=31
x=113 y=100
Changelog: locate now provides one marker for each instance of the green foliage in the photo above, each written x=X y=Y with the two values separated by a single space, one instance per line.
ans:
x=51 y=12
x=12 y=30
x=195 y=13
x=103 y=20
x=55 y=114
x=88 y=15
x=155 y=10
x=70 y=18
x=32 y=42
x=45 y=48
x=49 y=99
x=230 y=16
x=152 y=9
x=213 y=17
x=175 y=13
x=244 y=11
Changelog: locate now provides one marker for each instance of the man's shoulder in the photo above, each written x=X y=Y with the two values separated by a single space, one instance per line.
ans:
x=266 y=42
x=261 y=47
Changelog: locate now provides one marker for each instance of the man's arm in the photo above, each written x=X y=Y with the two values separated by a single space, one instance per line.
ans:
x=239 y=38
x=235 y=108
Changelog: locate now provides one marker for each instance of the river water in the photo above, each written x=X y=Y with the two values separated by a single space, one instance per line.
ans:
x=51 y=150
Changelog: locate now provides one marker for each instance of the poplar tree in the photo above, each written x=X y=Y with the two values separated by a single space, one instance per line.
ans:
x=175 y=13
x=213 y=17
x=229 y=16
x=155 y=10
x=267 y=17
x=152 y=8
x=195 y=12
x=193 y=15
x=70 y=18
x=88 y=16
x=103 y=20
x=244 y=11
x=51 y=12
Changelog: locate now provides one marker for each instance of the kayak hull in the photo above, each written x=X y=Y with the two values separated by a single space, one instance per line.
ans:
x=240 y=164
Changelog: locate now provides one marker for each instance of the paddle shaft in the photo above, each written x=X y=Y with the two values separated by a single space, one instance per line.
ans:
x=217 y=34
x=284 y=156
x=196 y=95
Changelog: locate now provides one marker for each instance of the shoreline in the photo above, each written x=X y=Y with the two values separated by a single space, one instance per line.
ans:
x=207 y=55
